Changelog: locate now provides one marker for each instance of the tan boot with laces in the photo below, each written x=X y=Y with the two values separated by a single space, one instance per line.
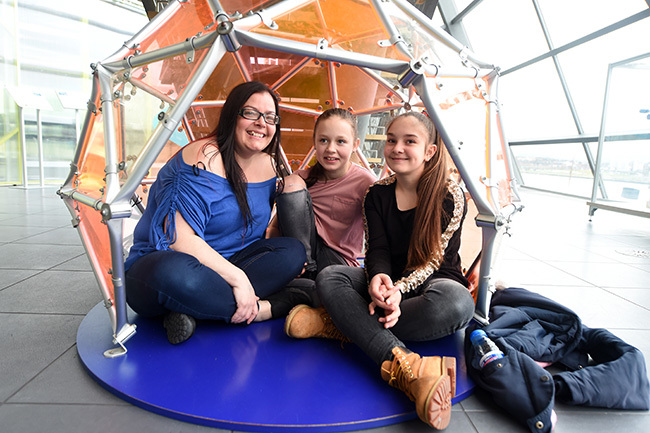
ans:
x=430 y=382
x=306 y=322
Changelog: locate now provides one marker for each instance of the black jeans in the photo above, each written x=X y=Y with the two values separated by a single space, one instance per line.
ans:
x=434 y=310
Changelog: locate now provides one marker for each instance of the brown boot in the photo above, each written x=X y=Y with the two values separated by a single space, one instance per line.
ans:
x=306 y=322
x=430 y=382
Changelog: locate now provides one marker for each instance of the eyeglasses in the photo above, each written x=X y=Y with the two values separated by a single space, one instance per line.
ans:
x=253 y=114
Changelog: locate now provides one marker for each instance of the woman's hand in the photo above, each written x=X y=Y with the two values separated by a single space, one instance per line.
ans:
x=188 y=242
x=246 y=300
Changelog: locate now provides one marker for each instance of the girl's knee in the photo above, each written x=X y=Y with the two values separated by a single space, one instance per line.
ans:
x=294 y=183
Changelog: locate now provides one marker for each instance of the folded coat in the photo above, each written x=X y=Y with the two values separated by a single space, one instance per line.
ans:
x=601 y=369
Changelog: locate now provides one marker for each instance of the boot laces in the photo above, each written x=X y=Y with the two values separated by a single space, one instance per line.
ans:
x=401 y=376
x=330 y=330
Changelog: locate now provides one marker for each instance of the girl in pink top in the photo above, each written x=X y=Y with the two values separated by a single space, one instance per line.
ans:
x=322 y=205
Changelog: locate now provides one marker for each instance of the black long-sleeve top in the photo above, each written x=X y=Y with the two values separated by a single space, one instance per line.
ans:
x=388 y=233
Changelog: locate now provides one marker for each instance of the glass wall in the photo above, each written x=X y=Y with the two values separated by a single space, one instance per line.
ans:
x=554 y=57
x=47 y=49
x=624 y=159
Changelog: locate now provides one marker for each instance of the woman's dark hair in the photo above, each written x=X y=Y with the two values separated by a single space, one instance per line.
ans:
x=225 y=138
x=317 y=171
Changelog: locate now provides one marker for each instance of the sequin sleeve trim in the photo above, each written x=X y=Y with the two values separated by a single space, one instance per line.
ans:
x=420 y=275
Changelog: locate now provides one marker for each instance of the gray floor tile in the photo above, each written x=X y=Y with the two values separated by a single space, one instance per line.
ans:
x=65 y=382
x=640 y=297
x=79 y=263
x=13 y=276
x=596 y=307
x=607 y=274
x=496 y=421
x=57 y=236
x=518 y=273
x=48 y=220
x=15 y=233
x=24 y=256
x=30 y=343
x=64 y=418
x=630 y=254
x=601 y=421
x=59 y=292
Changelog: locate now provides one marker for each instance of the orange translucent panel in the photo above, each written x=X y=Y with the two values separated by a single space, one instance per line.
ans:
x=243 y=6
x=90 y=177
x=297 y=139
x=190 y=19
x=96 y=240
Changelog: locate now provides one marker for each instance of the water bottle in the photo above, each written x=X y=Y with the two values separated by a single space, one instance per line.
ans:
x=485 y=348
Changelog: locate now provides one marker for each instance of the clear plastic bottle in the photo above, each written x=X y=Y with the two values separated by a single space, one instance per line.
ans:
x=485 y=348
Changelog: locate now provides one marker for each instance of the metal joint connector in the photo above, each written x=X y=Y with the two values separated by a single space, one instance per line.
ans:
x=415 y=70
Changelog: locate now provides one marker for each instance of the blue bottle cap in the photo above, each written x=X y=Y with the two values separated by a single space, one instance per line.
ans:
x=477 y=335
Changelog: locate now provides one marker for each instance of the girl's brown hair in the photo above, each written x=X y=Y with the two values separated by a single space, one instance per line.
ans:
x=316 y=172
x=432 y=189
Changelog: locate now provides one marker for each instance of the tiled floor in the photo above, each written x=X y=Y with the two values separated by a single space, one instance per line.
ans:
x=46 y=287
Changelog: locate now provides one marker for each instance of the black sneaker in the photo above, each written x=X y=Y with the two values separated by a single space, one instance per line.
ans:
x=179 y=326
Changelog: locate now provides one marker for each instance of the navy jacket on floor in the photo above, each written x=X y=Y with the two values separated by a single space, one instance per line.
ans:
x=602 y=370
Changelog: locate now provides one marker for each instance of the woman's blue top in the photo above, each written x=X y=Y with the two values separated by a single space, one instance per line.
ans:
x=208 y=204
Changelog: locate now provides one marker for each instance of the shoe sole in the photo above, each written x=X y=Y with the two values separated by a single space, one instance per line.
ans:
x=291 y=315
x=180 y=327
x=438 y=402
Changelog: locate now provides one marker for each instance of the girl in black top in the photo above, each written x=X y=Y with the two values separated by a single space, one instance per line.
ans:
x=412 y=287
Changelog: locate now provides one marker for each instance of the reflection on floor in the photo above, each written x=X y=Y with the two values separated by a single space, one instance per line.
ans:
x=600 y=269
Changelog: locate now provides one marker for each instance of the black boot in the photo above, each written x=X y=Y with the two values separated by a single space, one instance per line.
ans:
x=296 y=220
x=298 y=291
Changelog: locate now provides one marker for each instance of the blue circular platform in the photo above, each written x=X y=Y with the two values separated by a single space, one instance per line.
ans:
x=253 y=378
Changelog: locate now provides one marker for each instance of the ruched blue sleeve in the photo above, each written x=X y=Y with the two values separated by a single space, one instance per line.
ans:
x=179 y=190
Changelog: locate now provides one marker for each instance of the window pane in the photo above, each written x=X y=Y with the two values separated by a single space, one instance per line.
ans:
x=585 y=69
x=556 y=167
x=625 y=165
x=55 y=46
x=564 y=19
x=505 y=33
x=534 y=104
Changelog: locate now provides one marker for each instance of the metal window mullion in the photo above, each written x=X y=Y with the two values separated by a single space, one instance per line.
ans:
x=567 y=93
x=459 y=17
x=601 y=140
x=605 y=30
x=448 y=12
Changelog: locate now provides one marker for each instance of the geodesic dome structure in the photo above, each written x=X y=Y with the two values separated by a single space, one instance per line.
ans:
x=165 y=86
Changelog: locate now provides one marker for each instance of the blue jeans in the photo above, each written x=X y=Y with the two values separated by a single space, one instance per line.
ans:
x=434 y=310
x=165 y=281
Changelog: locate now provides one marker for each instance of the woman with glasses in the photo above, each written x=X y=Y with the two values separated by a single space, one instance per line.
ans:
x=199 y=250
